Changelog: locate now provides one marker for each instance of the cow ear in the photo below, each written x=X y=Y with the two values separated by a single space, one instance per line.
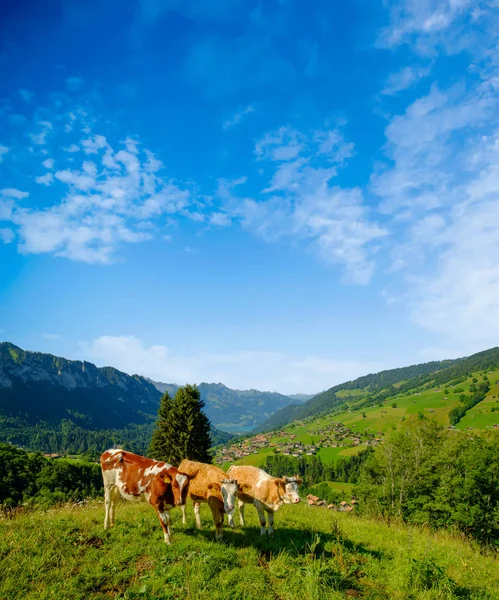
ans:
x=299 y=480
x=245 y=487
x=214 y=487
x=284 y=479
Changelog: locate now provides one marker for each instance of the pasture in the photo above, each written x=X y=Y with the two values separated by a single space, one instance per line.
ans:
x=315 y=555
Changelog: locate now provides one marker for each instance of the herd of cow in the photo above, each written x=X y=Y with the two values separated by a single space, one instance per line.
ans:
x=138 y=478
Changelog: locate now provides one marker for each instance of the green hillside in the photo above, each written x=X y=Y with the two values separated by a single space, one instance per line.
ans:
x=375 y=388
x=357 y=424
x=315 y=554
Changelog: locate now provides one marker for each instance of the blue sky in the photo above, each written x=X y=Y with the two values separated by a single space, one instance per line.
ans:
x=279 y=195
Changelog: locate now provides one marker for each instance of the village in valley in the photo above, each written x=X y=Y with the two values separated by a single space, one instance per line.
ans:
x=287 y=443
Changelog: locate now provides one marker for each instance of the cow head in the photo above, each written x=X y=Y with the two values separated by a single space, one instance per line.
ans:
x=291 y=495
x=179 y=483
x=228 y=491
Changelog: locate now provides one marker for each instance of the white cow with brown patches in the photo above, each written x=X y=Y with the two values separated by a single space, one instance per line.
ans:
x=138 y=478
x=265 y=492
x=211 y=485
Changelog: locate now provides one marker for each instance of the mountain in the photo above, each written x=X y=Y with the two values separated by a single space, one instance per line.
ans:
x=235 y=410
x=374 y=388
x=301 y=397
x=55 y=404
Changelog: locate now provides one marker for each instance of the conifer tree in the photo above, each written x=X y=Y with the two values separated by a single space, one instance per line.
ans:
x=182 y=430
x=162 y=436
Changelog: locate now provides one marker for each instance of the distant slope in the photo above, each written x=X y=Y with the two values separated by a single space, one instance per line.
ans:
x=375 y=387
x=235 y=410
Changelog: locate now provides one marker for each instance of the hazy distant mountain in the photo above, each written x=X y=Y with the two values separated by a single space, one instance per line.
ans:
x=236 y=410
x=301 y=397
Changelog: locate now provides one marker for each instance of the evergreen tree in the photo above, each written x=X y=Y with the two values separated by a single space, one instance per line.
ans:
x=162 y=436
x=182 y=430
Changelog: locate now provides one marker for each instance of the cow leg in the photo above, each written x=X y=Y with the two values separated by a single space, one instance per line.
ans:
x=270 y=514
x=114 y=498
x=197 y=510
x=218 y=519
x=230 y=520
x=241 y=513
x=108 y=493
x=184 y=518
x=164 y=519
x=261 y=516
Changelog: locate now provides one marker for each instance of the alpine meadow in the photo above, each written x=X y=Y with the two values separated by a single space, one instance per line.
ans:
x=249 y=300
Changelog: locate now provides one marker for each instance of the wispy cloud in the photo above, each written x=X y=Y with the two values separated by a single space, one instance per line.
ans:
x=26 y=95
x=301 y=202
x=262 y=370
x=425 y=23
x=74 y=83
x=441 y=185
x=3 y=151
x=404 y=79
x=236 y=118
x=53 y=337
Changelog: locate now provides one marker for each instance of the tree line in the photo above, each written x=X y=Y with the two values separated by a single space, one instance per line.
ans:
x=33 y=479
x=313 y=471
x=424 y=474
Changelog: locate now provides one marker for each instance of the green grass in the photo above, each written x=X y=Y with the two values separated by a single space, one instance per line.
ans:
x=315 y=555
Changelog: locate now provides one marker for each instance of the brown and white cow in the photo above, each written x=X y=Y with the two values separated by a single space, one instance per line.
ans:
x=139 y=479
x=265 y=492
x=210 y=484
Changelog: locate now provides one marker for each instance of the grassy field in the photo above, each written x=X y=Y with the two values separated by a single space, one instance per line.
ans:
x=314 y=555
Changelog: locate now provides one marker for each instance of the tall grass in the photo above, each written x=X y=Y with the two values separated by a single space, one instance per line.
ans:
x=315 y=555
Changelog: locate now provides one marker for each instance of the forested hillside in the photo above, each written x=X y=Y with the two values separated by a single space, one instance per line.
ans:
x=375 y=388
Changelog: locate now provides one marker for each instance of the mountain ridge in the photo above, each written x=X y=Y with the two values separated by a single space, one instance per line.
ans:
x=374 y=385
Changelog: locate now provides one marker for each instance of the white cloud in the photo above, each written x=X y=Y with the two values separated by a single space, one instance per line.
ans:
x=261 y=370
x=108 y=201
x=220 y=219
x=48 y=163
x=13 y=193
x=40 y=137
x=403 y=79
x=6 y=235
x=3 y=151
x=74 y=83
x=45 y=179
x=236 y=118
x=73 y=148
